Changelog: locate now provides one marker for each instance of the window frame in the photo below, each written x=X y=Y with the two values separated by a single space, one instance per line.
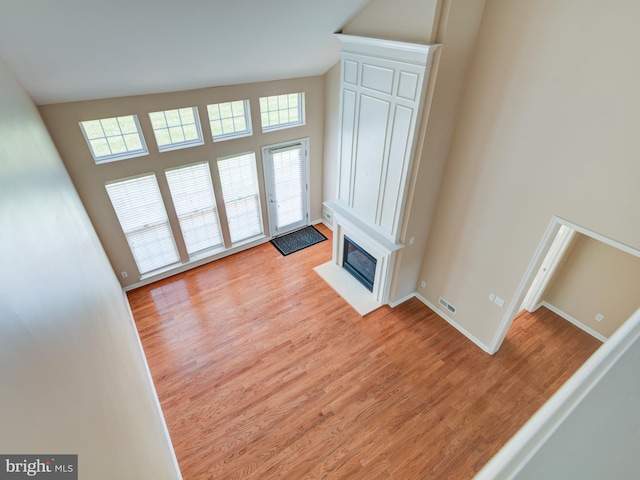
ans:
x=178 y=145
x=226 y=202
x=148 y=226
x=238 y=134
x=213 y=207
x=282 y=126
x=118 y=156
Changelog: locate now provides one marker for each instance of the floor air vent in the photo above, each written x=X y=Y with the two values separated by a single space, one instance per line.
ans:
x=447 y=305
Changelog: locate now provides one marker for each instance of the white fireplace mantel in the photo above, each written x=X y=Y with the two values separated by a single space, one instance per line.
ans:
x=376 y=244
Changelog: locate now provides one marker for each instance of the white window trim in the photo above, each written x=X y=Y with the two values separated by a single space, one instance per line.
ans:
x=283 y=126
x=119 y=156
x=166 y=267
x=230 y=136
x=180 y=145
x=207 y=251
x=258 y=196
x=268 y=153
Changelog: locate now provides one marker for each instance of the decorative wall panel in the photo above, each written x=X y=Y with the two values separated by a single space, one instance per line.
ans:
x=383 y=85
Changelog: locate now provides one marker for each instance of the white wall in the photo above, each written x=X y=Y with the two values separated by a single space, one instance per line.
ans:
x=402 y=20
x=458 y=27
x=547 y=127
x=73 y=378
x=331 y=113
x=590 y=428
x=596 y=278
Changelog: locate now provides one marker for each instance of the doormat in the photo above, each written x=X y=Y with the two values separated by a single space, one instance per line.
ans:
x=294 y=241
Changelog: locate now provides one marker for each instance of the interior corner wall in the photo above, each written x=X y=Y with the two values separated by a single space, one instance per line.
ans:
x=73 y=377
x=596 y=278
x=459 y=23
x=331 y=113
x=402 y=20
x=547 y=127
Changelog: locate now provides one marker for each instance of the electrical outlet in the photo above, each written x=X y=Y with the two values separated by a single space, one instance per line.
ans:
x=498 y=301
x=411 y=240
x=492 y=297
x=423 y=284
x=124 y=274
x=599 y=317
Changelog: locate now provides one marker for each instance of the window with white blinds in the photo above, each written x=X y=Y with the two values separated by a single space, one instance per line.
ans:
x=239 y=181
x=192 y=194
x=140 y=210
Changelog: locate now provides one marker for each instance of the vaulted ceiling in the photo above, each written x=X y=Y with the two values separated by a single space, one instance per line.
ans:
x=69 y=50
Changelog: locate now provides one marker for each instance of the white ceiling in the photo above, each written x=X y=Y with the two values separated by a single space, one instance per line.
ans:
x=68 y=50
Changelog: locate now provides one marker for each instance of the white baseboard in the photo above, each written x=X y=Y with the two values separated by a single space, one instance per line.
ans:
x=577 y=323
x=322 y=221
x=402 y=300
x=328 y=225
x=154 y=393
x=455 y=325
x=195 y=263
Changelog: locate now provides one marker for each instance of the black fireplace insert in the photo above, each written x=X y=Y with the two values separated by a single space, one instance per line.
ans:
x=359 y=263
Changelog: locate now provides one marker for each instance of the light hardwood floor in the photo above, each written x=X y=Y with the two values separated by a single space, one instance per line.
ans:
x=263 y=371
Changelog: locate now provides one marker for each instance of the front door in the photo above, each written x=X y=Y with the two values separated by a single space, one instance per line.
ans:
x=285 y=170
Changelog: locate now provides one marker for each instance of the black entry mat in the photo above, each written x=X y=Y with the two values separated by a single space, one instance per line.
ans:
x=294 y=241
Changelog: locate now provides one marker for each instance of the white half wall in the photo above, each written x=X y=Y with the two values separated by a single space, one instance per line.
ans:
x=590 y=428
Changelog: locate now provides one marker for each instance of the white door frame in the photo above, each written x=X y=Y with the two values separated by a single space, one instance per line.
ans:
x=268 y=176
x=549 y=266
x=534 y=266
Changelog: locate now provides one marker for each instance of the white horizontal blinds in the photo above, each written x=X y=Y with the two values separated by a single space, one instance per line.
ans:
x=114 y=138
x=192 y=194
x=178 y=128
x=239 y=182
x=140 y=210
x=289 y=182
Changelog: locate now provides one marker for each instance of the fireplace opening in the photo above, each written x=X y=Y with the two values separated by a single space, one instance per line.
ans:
x=359 y=263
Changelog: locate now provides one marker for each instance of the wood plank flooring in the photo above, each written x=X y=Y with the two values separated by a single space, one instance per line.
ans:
x=264 y=372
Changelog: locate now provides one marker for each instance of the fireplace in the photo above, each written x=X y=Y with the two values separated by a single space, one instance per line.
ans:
x=359 y=263
x=362 y=262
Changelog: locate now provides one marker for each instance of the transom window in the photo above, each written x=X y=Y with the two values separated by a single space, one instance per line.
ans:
x=179 y=128
x=282 y=111
x=229 y=120
x=116 y=138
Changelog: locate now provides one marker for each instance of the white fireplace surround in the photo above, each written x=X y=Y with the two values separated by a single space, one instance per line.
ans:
x=382 y=88
x=375 y=245
x=379 y=247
